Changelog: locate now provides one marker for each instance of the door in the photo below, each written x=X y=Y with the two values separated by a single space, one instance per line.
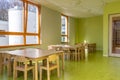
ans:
x=114 y=35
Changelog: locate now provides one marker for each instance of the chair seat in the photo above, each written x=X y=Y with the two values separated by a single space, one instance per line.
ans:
x=22 y=68
x=51 y=66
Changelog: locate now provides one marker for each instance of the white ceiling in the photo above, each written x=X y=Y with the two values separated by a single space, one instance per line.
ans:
x=77 y=8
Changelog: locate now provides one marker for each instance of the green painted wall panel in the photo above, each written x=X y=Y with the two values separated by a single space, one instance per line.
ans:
x=91 y=30
x=111 y=8
x=73 y=27
x=50 y=27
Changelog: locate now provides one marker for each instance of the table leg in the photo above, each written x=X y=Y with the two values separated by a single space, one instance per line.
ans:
x=9 y=68
x=63 y=60
x=36 y=70
x=1 y=63
x=9 y=65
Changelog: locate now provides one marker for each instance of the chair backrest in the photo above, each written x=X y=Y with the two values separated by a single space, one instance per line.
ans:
x=79 y=44
x=57 y=48
x=20 y=61
x=5 y=58
x=92 y=45
x=53 y=57
x=81 y=49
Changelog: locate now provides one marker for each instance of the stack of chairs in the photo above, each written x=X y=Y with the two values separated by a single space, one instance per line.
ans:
x=91 y=47
x=78 y=52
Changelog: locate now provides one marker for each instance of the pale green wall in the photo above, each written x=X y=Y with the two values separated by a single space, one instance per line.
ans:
x=50 y=27
x=111 y=8
x=91 y=30
x=73 y=24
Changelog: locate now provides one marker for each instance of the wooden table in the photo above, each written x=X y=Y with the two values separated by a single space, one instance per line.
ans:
x=68 y=50
x=36 y=55
x=62 y=46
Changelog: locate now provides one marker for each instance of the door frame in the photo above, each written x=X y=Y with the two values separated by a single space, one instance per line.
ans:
x=110 y=35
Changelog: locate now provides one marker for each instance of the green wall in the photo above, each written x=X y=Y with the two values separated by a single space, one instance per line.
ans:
x=91 y=30
x=73 y=24
x=111 y=8
x=50 y=27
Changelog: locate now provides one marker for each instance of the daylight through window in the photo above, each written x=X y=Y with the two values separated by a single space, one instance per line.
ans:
x=64 y=29
x=19 y=23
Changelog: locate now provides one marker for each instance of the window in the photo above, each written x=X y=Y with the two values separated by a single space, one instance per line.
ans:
x=64 y=29
x=19 y=23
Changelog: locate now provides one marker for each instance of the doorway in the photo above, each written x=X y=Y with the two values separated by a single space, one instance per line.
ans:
x=114 y=35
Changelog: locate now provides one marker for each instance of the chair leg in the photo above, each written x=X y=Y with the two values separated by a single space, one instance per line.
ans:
x=25 y=75
x=1 y=68
x=58 y=72
x=1 y=65
x=75 y=56
x=40 y=74
x=69 y=56
x=48 y=74
x=78 y=56
x=9 y=69
x=82 y=56
x=14 y=74
x=33 y=74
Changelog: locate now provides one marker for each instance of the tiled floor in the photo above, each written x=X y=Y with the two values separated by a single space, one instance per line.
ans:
x=94 y=67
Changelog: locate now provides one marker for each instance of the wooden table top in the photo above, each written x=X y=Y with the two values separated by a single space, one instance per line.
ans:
x=31 y=52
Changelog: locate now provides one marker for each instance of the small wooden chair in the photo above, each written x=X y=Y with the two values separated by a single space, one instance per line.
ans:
x=52 y=63
x=6 y=61
x=81 y=52
x=67 y=53
x=75 y=52
x=21 y=64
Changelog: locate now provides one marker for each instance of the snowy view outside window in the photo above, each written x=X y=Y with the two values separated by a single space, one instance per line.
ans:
x=12 y=20
x=64 y=29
